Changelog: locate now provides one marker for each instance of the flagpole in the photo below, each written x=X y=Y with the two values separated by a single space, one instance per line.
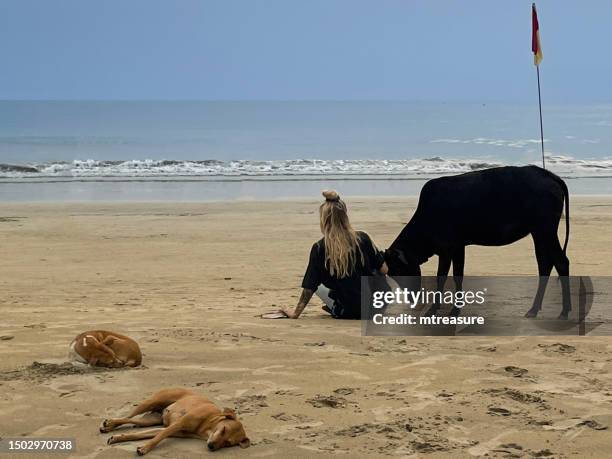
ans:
x=540 y=104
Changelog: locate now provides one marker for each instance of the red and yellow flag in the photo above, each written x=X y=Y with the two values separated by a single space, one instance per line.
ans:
x=536 y=46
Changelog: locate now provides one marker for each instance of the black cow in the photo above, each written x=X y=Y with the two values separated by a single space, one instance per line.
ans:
x=491 y=207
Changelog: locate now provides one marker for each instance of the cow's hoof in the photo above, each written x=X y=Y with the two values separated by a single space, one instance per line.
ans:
x=563 y=316
x=531 y=313
x=141 y=451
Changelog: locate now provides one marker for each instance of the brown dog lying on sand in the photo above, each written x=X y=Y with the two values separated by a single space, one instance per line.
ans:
x=183 y=414
x=105 y=349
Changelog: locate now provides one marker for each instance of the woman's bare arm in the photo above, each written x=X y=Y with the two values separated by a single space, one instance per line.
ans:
x=303 y=301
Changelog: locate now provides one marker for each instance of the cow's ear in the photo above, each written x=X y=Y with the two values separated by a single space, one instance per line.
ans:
x=245 y=442
x=396 y=254
x=390 y=254
x=229 y=414
x=403 y=258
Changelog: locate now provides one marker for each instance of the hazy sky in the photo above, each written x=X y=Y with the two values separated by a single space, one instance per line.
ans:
x=441 y=50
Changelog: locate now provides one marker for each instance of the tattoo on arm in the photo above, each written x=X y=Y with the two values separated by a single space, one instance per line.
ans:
x=306 y=296
x=304 y=299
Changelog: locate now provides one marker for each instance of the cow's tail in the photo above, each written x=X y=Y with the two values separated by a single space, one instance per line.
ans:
x=567 y=222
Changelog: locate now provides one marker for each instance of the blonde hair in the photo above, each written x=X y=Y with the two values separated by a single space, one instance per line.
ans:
x=341 y=240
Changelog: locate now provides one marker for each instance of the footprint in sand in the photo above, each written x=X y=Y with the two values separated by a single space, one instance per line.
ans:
x=285 y=417
x=497 y=411
x=558 y=348
x=250 y=403
x=516 y=395
x=509 y=450
x=487 y=348
x=327 y=401
x=344 y=391
x=593 y=425
x=542 y=453
x=568 y=424
x=516 y=371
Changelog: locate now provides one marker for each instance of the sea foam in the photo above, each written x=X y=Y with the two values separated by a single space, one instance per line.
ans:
x=417 y=168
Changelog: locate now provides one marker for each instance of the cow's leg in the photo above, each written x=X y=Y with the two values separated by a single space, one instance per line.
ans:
x=444 y=263
x=458 y=264
x=561 y=263
x=545 y=265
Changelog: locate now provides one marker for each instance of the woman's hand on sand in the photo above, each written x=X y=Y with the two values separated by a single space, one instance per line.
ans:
x=289 y=312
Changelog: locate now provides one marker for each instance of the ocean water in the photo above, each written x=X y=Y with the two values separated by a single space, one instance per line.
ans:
x=86 y=149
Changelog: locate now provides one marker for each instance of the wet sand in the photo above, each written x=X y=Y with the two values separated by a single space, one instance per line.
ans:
x=188 y=280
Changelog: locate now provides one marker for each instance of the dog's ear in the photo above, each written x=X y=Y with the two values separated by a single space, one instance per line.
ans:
x=230 y=414
x=245 y=442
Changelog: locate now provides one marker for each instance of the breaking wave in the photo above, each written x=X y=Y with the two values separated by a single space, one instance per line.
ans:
x=564 y=165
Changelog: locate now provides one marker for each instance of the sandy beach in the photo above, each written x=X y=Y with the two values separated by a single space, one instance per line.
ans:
x=187 y=281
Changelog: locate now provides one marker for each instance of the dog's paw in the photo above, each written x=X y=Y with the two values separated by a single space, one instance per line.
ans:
x=141 y=451
x=106 y=426
x=110 y=440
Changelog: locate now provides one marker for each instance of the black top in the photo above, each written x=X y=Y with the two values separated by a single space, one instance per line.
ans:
x=346 y=291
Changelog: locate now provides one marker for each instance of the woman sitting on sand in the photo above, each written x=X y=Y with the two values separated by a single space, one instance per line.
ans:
x=337 y=262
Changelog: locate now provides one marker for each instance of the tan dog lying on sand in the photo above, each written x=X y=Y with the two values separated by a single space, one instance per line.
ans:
x=105 y=349
x=183 y=414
